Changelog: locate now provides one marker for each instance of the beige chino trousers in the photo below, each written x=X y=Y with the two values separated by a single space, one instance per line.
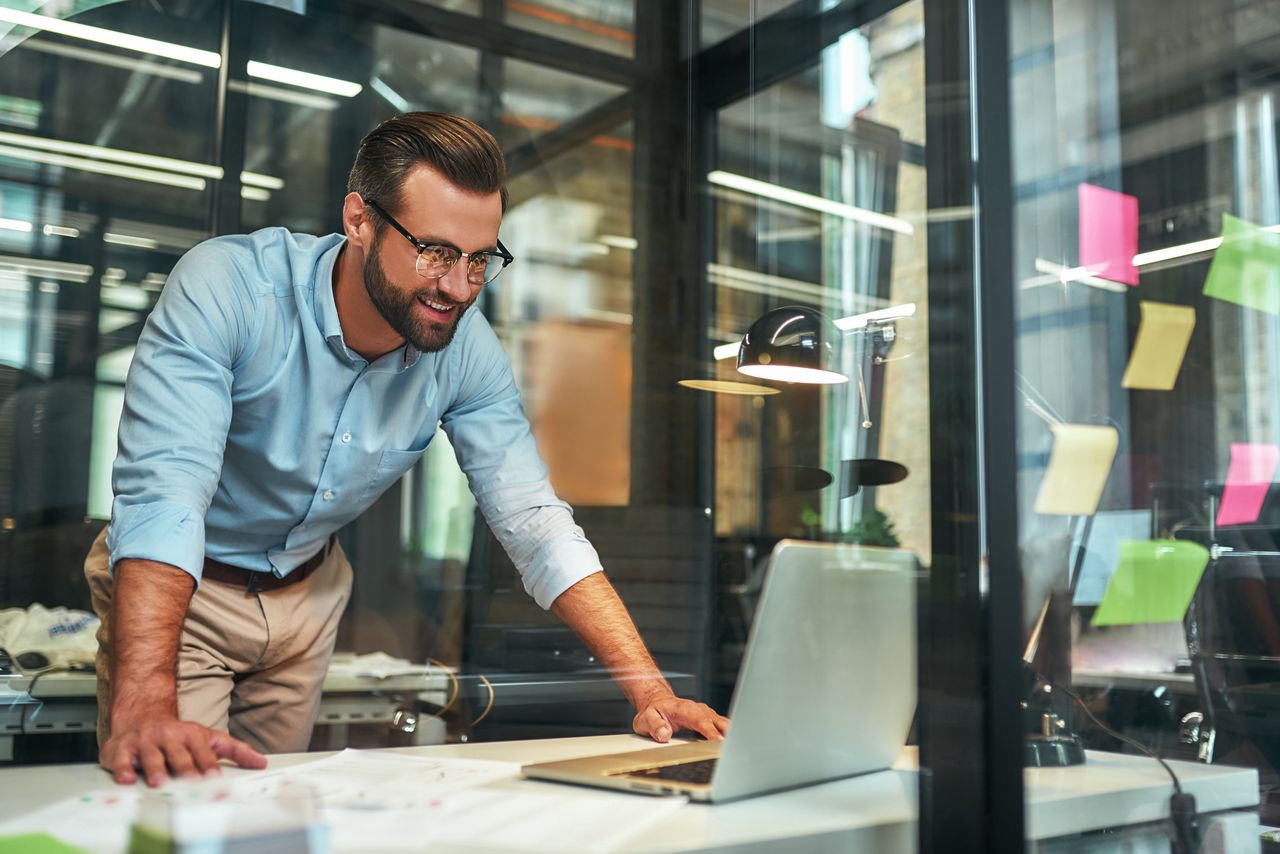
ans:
x=251 y=664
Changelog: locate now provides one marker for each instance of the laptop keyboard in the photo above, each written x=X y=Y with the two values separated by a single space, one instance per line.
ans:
x=699 y=771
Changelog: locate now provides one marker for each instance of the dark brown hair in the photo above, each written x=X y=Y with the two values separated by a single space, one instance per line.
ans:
x=466 y=154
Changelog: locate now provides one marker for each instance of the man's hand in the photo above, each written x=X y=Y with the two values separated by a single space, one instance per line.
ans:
x=148 y=605
x=165 y=747
x=661 y=718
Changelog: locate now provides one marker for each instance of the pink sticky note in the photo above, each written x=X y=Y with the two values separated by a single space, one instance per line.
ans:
x=1248 y=479
x=1108 y=233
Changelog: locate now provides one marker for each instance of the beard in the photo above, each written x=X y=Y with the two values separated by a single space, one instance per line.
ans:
x=400 y=307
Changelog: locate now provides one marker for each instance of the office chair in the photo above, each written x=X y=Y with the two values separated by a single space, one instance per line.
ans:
x=1233 y=640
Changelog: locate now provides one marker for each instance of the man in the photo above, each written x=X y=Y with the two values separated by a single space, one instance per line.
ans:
x=283 y=382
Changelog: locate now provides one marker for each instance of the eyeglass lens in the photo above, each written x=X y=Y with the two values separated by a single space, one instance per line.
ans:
x=436 y=261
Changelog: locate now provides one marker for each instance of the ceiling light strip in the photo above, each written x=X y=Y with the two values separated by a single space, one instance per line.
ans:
x=303 y=79
x=119 y=170
x=136 y=158
x=138 y=44
x=98 y=152
x=812 y=202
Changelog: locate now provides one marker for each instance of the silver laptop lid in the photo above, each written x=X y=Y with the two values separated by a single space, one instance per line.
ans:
x=828 y=684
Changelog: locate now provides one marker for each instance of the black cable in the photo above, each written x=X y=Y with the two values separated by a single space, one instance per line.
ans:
x=1177 y=787
x=31 y=692
x=1182 y=805
x=31 y=689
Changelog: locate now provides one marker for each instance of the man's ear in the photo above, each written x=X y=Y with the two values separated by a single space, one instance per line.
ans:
x=356 y=224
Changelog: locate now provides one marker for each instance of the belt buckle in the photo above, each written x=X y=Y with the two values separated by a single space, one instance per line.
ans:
x=251 y=589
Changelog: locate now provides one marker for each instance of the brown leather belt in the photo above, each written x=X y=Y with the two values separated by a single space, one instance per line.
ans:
x=257 y=581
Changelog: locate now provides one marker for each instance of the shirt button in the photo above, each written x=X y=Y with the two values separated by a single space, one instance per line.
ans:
x=328 y=495
x=346 y=437
x=301 y=528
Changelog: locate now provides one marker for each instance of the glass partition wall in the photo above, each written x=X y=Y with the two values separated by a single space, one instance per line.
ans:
x=1145 y=263
x=1086 y=305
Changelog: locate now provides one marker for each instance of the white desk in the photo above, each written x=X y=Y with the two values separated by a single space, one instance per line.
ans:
x=875 y=812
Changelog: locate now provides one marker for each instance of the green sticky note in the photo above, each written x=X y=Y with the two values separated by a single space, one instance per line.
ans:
x=36 y=843
x=1153 y=582
x=1246 y=267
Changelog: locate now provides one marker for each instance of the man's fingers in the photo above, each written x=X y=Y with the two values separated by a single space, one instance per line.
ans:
x=704 y=724
x=120 y=763
x=708 y=729
x=206 y=760
x=237 y=751
x=153 y=765
x=178 y=757
x=652 y=723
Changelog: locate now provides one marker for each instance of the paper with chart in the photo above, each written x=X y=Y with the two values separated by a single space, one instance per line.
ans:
x=395 y=802
x=370 y=801
x=559 y=819
x=353 y=780
x=364 y=779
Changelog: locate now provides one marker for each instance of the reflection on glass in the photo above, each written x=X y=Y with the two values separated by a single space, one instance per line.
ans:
x=819 y=201
x=723 y=18
x=604 y=25
x=1146 y=206
x=538 y=99
x=566 y=307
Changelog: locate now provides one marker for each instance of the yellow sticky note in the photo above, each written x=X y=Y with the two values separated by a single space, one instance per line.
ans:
x=1078 y=469
x=1163 y=335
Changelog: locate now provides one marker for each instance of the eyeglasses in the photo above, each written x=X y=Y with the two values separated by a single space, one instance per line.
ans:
x=435 y=260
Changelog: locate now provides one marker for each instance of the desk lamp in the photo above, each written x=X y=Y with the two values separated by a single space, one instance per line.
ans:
x=797 y=344
x=792 y=344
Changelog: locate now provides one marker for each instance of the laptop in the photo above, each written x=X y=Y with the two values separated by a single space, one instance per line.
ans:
x=827 y=687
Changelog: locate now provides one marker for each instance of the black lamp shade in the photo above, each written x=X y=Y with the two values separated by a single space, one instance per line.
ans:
x=791 y=344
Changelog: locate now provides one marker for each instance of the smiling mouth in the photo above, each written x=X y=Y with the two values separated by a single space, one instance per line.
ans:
x=436 y=306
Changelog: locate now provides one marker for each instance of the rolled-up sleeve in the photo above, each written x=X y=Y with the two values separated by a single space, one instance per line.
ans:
x=495 y=448
x=177 y=410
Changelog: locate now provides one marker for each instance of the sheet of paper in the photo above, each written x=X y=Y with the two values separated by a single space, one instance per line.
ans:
x=378 y=665
x=1246 y=268
x=1102 y=549
x=365 y=779
x=1249 y=476
x=1108 y=233
x=381 y=801
x=1153 y=582
x=566 y=819
x=1163 y=335
x=1078 y=469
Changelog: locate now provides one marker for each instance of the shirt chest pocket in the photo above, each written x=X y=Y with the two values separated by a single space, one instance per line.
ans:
x=391 y=467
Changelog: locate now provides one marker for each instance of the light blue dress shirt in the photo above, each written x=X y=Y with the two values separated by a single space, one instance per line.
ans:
x=251 y=432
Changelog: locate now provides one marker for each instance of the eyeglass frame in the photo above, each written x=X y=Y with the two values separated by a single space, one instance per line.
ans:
x=423 y=245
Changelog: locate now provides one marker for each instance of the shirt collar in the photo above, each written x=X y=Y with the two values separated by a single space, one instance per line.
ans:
x=326 y=309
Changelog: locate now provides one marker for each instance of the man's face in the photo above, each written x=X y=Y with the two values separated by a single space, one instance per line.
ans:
x=425 y=312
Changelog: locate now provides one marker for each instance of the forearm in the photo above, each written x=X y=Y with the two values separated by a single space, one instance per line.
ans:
x=596 y=614
x=148 y=606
